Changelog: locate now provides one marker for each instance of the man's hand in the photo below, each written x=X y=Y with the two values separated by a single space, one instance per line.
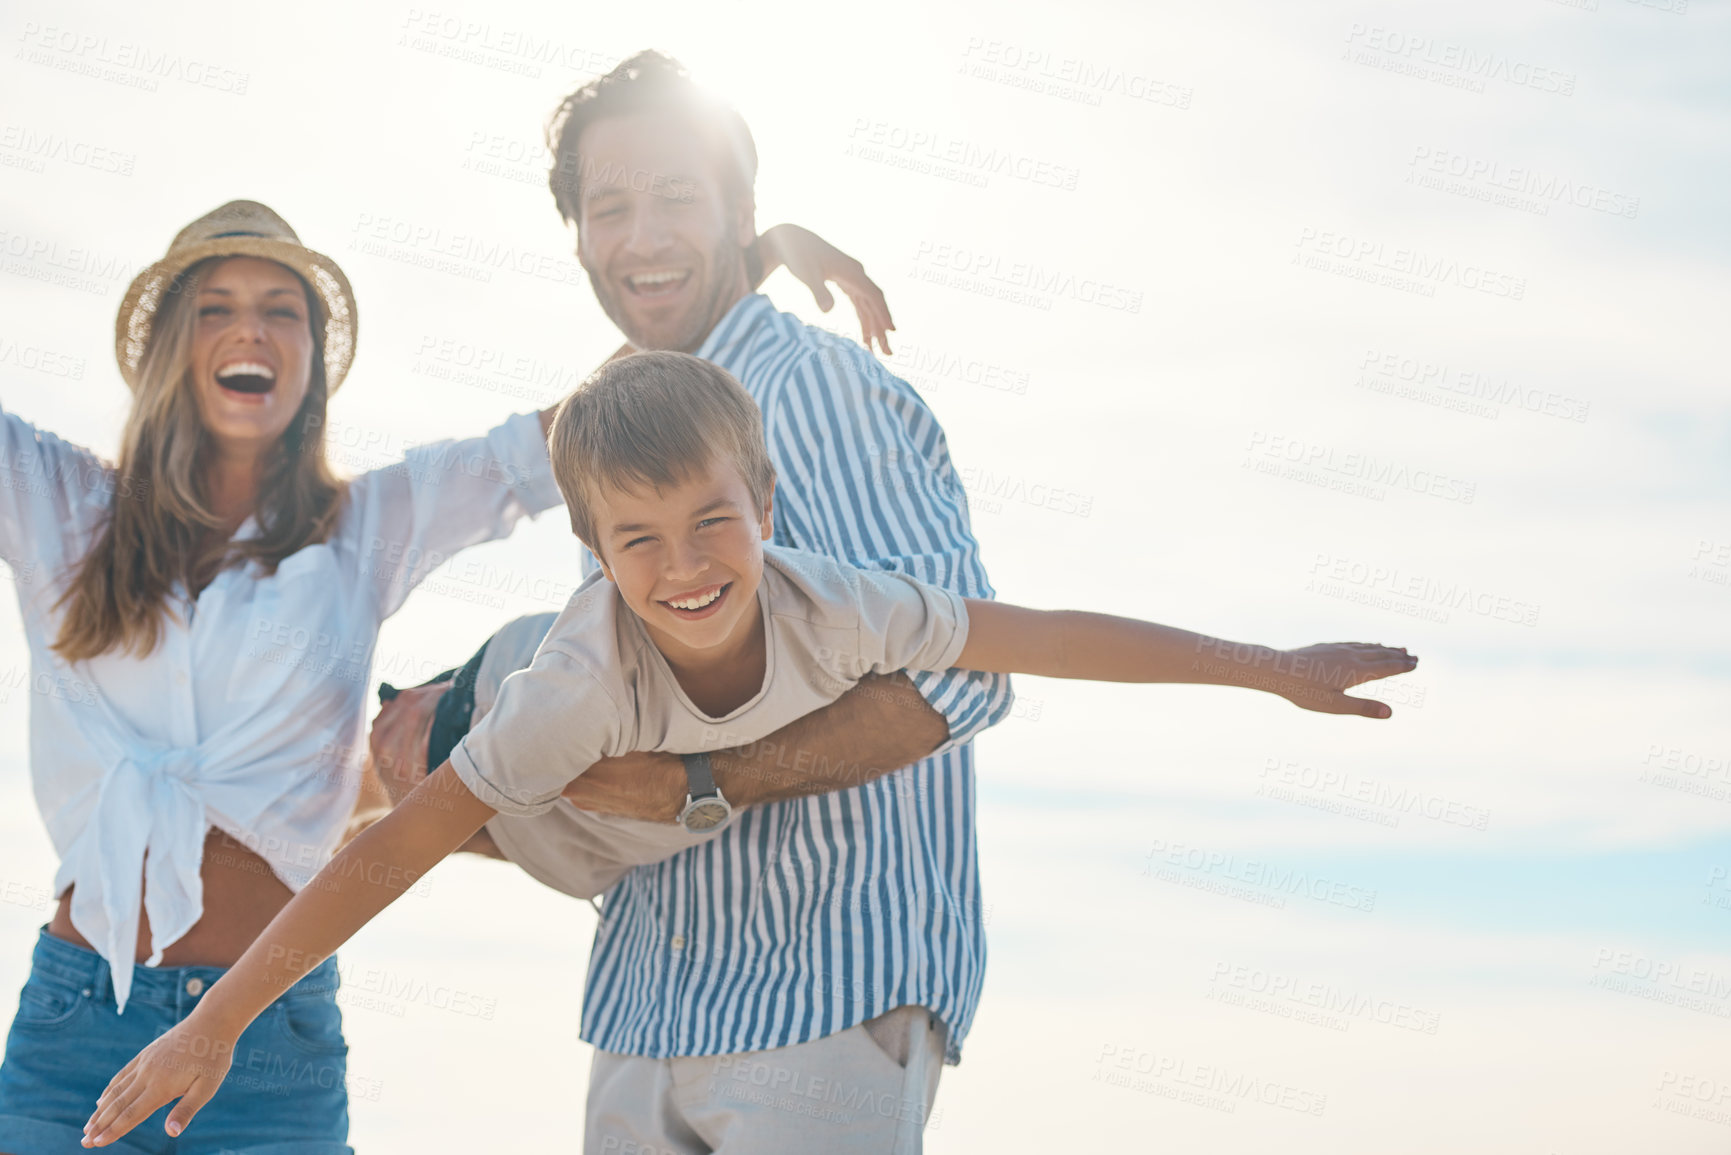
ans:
x=397 y=743
x=880 y=725
x=397 y=751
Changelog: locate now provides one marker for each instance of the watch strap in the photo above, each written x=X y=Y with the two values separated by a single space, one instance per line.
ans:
x=699 y=776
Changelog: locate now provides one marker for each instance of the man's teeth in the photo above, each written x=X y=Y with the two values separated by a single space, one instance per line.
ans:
x=695 y=603
x=655 y=280
x=246 y=369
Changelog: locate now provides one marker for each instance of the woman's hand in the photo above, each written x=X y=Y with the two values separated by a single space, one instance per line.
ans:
x=815 y=261
x=1316 y=677
x=188 y=1063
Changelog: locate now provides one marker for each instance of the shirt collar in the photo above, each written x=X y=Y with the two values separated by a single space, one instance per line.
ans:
x=736 y=326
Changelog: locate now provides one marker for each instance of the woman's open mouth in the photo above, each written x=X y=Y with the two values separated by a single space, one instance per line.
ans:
x=699 y=604
x=252 y=377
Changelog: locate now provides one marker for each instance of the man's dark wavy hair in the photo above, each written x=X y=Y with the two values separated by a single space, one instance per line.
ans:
x=647 y=82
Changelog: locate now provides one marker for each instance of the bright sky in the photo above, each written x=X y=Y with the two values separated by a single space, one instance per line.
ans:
x=1284 y=322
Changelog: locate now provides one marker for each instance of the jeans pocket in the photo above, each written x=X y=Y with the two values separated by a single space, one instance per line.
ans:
x=314 y=1024
x=46 y=1005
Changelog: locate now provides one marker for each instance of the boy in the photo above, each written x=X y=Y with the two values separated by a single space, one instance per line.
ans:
x=694 y=636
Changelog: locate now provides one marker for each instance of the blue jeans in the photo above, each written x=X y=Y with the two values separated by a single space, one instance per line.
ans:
x=285 y=1094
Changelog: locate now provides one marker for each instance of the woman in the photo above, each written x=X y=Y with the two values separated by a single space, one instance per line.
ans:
x=201 y=638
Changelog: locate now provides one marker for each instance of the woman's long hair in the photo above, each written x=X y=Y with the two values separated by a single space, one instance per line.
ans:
x=161 y=528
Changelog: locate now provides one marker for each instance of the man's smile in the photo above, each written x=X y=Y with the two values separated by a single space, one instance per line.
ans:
x=657 y=283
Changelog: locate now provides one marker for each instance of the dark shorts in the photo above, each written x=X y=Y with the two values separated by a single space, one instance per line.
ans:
x=285 y=1094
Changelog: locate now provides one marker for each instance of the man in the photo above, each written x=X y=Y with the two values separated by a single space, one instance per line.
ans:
x=833 y=924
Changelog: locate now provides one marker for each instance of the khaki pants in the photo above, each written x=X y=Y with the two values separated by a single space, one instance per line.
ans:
x=865 y=1091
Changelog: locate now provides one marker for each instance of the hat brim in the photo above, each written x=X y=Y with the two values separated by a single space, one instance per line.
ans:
x=133 y=324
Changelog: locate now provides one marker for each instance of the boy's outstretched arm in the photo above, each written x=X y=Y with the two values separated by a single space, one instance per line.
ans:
x=189 y=1062
x=1009 y=639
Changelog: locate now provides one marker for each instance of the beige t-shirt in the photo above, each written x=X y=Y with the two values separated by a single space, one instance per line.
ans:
x=598 y=687
x=573 y=851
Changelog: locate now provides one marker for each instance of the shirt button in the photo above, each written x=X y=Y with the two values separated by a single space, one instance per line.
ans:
x=678 y=942
x=195 y=987
x=180 y=676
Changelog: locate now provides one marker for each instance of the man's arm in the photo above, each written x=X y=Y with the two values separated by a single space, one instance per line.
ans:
x=864 y=476
x=880 y=725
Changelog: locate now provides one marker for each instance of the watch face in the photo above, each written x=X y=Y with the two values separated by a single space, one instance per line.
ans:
x=705 y=815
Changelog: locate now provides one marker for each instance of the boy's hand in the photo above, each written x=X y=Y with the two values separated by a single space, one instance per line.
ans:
x=188 y=1063
x=1316 y=677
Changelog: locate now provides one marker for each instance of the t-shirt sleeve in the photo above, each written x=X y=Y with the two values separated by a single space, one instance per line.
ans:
x=551 y=722
x=907 y=624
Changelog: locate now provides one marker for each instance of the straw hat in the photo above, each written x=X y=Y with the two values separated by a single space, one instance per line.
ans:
x=238 y=229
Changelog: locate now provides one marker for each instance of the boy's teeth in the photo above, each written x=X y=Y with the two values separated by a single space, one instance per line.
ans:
x=695 y=603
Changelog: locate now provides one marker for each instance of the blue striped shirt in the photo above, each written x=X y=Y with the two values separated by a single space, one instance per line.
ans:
x=807 y=917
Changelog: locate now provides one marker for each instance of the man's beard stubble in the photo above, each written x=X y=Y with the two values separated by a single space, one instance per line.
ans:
x=727 y=273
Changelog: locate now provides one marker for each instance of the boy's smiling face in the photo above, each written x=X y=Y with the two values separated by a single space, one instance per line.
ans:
x=688 y=560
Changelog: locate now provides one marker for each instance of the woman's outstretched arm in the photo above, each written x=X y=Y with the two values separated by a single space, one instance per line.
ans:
x=1007 y=639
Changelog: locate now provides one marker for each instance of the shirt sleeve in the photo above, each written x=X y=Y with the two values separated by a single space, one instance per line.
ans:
x=444 y=497
x=552 y=722
x=906 y=624
x=865 y=476
x=52 y=494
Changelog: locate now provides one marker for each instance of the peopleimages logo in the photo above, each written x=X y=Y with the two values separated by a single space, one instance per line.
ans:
x=1531 y=188
x=1270 y=452
x=1021 y=282
x=922 y=147
x=1368 y=259
x=1414 y=594
x=1330 y=1001
x=1395 y=798
x=1166 y=859
x=134 y=65
x=1428 y=58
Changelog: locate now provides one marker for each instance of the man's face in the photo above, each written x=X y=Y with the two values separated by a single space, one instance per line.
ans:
x=662 y=241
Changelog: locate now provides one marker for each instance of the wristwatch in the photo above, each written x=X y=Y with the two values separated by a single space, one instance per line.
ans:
x=705 y=808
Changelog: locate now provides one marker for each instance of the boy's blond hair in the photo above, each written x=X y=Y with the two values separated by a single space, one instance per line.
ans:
x=653 y=419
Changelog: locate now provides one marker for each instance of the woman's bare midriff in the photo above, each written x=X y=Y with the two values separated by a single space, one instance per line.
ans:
x=241 y=896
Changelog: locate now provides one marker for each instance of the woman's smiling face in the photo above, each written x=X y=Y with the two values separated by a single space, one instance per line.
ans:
x=252 y=351
x=687 y=559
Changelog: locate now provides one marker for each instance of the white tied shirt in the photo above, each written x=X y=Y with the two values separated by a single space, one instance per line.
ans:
x=248 y=715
